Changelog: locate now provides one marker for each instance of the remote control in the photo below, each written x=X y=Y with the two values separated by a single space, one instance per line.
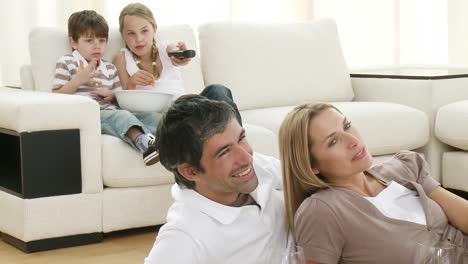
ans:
x=182 y=53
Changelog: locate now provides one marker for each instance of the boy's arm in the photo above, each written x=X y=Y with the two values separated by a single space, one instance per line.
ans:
x=70 y=84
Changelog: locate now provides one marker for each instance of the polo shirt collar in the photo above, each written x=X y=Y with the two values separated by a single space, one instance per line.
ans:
x=223 y=213
x=101 y=68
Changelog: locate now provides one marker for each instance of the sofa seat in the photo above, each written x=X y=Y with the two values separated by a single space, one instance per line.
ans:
x=399 y=127
x=135 y=173
x=451 y=127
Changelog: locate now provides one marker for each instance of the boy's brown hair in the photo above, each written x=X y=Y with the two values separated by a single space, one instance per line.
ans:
x=85 y=23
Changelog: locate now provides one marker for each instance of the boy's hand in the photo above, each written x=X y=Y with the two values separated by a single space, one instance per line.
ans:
x=85 y=75
x=180 y=61
x=140 y=78
x=106 y=93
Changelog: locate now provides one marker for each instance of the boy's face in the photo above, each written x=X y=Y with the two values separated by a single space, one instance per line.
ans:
x=89 y=46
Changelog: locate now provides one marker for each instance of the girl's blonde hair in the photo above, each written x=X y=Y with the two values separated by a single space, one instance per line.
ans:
x=299 y=181
x=136 y=9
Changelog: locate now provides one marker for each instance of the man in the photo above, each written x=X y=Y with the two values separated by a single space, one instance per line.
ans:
x=228 y=204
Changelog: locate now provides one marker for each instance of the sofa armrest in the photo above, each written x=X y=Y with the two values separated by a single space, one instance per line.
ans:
x=422 y=87
x=29 y=111
x=414 y=93
x=27 y=79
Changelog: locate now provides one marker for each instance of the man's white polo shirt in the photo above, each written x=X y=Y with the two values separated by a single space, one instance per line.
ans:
x=199 y=230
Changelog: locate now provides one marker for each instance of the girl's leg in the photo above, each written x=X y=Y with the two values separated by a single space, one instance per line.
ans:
x=126 y=126
x=150 y=121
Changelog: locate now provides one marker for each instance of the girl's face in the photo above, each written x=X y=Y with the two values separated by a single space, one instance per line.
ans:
x=337 y=147
x=138 y=34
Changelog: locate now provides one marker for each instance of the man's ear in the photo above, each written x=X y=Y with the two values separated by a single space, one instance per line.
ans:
x=72 y=43
x=188 y=171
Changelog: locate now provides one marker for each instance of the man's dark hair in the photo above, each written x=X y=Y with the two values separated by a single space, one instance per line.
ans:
x=184 y=128
x=87 y=22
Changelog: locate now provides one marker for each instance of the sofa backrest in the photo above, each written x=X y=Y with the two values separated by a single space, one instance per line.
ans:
x=268 y=65
x=46 y=45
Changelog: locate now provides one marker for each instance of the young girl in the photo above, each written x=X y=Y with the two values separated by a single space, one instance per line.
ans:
x=145 y=63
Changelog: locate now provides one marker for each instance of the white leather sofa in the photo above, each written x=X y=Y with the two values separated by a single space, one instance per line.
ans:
x=269 y=68
x=451 y=128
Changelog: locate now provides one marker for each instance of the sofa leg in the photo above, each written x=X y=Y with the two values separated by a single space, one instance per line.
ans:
x=52 y=243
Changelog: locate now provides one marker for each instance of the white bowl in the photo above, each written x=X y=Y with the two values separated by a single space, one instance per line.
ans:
x=143 y=100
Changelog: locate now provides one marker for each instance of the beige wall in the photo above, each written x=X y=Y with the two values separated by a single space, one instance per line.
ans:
x=458 y=32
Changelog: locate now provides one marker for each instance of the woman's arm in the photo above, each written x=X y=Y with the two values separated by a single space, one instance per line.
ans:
x=455 y=207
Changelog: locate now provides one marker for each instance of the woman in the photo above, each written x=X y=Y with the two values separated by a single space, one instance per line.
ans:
x=343 y=211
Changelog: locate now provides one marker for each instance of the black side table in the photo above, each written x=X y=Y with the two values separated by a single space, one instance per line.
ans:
x=41 y=163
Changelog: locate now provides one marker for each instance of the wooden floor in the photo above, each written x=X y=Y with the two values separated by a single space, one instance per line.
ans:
x=130 y=246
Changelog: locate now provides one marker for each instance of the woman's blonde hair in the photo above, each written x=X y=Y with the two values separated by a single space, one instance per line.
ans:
x=299 y=181
x=136 y=9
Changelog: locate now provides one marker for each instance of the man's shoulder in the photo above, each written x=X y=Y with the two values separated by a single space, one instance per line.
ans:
x=182 y=216
x=169 y=240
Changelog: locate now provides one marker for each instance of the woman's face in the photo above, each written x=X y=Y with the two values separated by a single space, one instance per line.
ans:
x=337 y=147
x=138 y=34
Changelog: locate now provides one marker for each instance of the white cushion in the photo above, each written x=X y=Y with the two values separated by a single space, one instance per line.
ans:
x=262 y=140
x=47 y=45
x=124 y=208
x=123 y=166
x=268 y=65
x=451 y=124
x=455 y=170
x=386 y=127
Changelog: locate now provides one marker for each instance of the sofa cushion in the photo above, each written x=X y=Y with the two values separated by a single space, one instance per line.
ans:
x=451 y=125
x=386 y=127
x=269 y=65
x=122 y=166
x=46 y=45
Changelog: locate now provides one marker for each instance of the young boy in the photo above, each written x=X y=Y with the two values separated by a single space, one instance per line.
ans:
x=84 y=72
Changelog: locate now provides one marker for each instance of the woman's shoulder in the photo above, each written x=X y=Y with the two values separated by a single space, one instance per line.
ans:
x=412 y=161
x=321 y=200
x=322 y=207
x=404 y=164
x=407 y=155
